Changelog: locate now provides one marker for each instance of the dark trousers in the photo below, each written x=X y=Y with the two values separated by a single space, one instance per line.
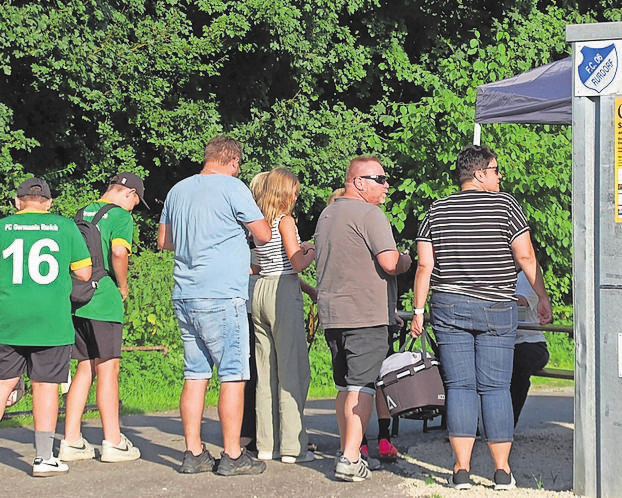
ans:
x=529 y=357
x=249 y=420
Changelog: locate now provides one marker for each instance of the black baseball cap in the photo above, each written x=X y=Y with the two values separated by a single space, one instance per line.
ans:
x=130 y=180
x=34 y=186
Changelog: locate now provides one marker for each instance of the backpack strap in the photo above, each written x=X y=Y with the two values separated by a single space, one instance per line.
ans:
x=98 y=216
x=102 y=211
x=80 y=214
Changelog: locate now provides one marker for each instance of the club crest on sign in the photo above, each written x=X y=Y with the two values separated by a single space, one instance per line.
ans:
x=599 y=66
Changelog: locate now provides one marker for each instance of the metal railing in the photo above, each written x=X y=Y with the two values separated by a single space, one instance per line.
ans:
x=554 y=373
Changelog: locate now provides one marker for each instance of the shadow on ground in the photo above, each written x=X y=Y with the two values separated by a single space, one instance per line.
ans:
x=541 y=459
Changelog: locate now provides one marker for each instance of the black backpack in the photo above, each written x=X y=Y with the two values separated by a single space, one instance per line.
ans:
x=82 y=292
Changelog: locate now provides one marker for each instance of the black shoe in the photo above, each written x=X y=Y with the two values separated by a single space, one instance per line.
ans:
x=242 y=465
x=503 y=480
x=195 y=464
x=460 y=480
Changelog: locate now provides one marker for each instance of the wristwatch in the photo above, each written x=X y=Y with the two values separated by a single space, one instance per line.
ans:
x=418 y=311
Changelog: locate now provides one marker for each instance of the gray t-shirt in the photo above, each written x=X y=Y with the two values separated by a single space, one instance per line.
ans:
x=353 y=289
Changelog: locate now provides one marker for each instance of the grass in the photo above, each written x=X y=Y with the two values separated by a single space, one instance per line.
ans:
x=151 y=382
x=429 y=481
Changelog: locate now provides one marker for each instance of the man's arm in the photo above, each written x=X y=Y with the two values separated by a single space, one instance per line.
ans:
x=83 y=273
x=165 y=237
x=525 y=258
x=120 y=261
x=393 y=262
x=260 y=230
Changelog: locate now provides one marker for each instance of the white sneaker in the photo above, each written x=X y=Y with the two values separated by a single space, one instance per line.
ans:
x=80 y=450
x=122 y=452
x=268 y=455
x=47 y=468
x=307 y=457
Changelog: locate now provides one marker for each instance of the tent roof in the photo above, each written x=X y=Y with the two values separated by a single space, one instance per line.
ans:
x=542 y=95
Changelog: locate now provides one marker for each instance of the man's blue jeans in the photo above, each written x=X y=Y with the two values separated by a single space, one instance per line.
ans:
x=476 y=342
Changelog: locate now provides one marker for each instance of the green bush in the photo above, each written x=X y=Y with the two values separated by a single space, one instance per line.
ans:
x=322 y=384
x=149 y=316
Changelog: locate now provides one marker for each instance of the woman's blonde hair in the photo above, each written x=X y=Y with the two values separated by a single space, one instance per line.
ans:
x=336 y=193
x=278 y=195
x=257 y=183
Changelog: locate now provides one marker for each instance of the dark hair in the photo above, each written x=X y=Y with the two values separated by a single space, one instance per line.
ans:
x=222 y=149
x=472 y=159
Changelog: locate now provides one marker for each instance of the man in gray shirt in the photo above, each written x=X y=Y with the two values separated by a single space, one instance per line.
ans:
x=357 y=261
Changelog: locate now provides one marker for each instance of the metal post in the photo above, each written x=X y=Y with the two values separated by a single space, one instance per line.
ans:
x=597 y=263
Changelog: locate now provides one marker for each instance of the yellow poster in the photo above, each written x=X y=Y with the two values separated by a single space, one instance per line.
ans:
x=617 y=154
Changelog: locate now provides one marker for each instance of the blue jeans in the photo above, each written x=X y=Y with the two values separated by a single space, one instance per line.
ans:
x=214 y=332
x=476 y=343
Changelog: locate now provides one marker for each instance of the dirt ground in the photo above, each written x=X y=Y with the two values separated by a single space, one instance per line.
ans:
x=541 y=460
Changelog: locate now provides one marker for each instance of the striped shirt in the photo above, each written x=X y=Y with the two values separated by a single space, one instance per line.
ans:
x=471 y=234
x=272 y=257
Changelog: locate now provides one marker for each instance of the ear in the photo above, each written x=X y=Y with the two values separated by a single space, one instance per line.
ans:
x=48 y=204
x=358 y=183
x=18 y=203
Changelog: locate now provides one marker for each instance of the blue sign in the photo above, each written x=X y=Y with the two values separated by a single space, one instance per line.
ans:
x=599 y=67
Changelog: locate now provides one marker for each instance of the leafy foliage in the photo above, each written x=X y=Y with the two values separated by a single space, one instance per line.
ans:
x=90 y=87
x=535 y=161
x=149 y=316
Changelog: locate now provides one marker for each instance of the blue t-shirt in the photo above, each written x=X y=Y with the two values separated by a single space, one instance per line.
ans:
x=206 y=214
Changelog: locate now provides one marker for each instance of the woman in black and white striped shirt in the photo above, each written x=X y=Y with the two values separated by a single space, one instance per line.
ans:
x=469 y=245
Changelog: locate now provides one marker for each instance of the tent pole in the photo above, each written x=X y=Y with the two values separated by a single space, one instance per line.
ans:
x=477 y=134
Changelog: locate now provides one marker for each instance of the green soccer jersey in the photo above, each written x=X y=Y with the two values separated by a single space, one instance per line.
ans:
x=38 y=250
x=116 y=228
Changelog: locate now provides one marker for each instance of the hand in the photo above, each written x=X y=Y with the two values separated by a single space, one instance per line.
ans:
x=398 y=320
x=307 y=246
x=416 y=326
x=544 y=310
x=405 y=261
x=124 y=292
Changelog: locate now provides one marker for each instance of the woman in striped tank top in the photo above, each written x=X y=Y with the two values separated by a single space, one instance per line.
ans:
x=278 y=315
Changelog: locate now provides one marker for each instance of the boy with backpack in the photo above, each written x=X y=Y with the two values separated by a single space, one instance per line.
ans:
x=99 y=327
x=38 y=253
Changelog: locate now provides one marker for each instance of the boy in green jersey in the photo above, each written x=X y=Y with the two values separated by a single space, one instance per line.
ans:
x=99 y=329
x=39 y=251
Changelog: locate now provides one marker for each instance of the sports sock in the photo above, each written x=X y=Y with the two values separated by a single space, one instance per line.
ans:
x=43 y=444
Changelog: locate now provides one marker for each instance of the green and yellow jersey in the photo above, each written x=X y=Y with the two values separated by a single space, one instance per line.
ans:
x=116 y=228
x=37 y=251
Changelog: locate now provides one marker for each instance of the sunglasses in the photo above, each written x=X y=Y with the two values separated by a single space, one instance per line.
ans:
x=496 y=168
x=380 y=179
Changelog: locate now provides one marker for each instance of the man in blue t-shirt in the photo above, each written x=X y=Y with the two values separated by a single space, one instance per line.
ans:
x=203 y=223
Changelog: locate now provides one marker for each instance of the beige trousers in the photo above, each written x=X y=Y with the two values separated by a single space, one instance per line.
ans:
x=283 y=372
